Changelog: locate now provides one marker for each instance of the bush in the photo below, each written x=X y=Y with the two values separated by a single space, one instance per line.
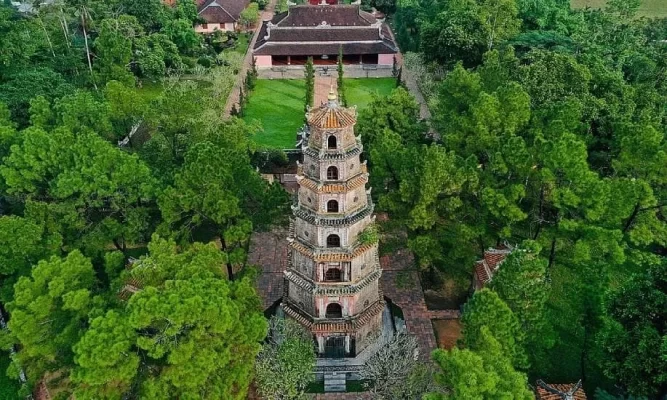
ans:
x=369 y=235
x=204 y=62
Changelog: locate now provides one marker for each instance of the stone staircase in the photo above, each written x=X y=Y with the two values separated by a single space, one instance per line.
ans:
x=334 y=382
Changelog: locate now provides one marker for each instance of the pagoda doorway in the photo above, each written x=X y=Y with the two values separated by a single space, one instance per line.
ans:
x=334 y=347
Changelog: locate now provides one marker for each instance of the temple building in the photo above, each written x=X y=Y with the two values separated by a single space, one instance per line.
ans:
x=332 y=278
x=320 y=32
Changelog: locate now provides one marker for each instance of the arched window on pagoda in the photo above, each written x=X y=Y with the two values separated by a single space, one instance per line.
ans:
x=333 y=275
x=332 y=142
x=332 y=173
x=332 y=206
x=334 y=310
x=333 y=241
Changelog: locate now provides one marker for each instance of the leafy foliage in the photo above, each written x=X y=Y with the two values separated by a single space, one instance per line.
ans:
x=284 y=365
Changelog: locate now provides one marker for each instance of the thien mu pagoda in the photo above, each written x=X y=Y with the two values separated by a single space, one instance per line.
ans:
x=332 y=279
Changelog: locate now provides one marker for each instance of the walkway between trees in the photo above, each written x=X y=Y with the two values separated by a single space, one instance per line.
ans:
x=233 y=99
x=323 y=84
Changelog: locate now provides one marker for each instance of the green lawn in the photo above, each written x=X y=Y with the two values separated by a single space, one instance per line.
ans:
x=8 y=387
x=278 y=105
x=649 y=8
x=241 y=45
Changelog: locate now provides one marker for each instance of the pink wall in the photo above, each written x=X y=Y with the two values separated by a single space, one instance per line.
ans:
x=385 y=59
x=263 y=61
x=214 y=27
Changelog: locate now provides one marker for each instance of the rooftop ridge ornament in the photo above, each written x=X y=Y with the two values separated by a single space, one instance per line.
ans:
x=332 y=97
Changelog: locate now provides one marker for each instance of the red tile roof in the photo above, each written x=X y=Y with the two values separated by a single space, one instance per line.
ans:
x=559 y=391
x=486 y=267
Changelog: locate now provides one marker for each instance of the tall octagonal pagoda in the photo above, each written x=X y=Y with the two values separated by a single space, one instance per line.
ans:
x=332 y=279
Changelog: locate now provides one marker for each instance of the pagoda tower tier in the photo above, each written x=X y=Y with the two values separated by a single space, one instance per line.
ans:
x=332 y=278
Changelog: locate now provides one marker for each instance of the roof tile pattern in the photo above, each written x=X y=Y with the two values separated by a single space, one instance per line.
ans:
x=568 y=391
x=331 y=117
x=338 y=15
x=222 y=11
x=487 y=267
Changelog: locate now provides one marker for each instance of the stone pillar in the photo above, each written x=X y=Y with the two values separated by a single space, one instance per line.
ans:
x=289 y=60
x=320 y=344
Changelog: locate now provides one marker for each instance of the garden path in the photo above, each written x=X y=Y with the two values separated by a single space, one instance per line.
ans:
x=233 y=99
x=323 y=85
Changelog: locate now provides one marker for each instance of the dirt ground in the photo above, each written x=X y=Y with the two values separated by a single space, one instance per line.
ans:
x=447 y=332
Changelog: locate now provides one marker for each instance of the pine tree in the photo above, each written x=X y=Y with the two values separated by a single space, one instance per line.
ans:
x=310 y=83
x=341 y=88
x=242 y=101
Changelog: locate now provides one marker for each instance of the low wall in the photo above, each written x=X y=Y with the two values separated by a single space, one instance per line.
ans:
x=350 y=71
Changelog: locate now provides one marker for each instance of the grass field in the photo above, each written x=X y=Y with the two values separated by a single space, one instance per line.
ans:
x=278 y=105
x=649 y=8
x=8 y=387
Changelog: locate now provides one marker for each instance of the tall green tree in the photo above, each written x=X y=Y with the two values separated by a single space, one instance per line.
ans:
x=49 y=313
x=340 y=81
x=187 y=333
x=486 y=309
x=521 y=283
x=24 y=243
x=485 y=373
x=635 y=331
x=92 y=193
x=310 y=83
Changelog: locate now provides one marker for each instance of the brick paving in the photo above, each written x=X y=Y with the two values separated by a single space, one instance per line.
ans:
x=401 y=284
x=323 y=85
x=268 y=250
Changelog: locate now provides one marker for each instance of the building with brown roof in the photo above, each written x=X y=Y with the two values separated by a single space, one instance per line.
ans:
x=220 y=15
x=487 y=266
x=556 y=391
x=319 y=32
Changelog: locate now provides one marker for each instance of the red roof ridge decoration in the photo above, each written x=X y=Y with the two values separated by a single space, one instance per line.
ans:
x=560 y=391
x=489 y=264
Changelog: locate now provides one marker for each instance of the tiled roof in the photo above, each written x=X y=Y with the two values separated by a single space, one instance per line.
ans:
x=339 y=326
x=297 y=34
x=486 y=268
x=222 y=11
x=556 y=391
x=329 y=256
x=338 y=15
x=331 y=116
x=357 y=181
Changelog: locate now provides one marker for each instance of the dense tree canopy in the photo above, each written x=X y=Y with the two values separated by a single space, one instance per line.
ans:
x=555 y=138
